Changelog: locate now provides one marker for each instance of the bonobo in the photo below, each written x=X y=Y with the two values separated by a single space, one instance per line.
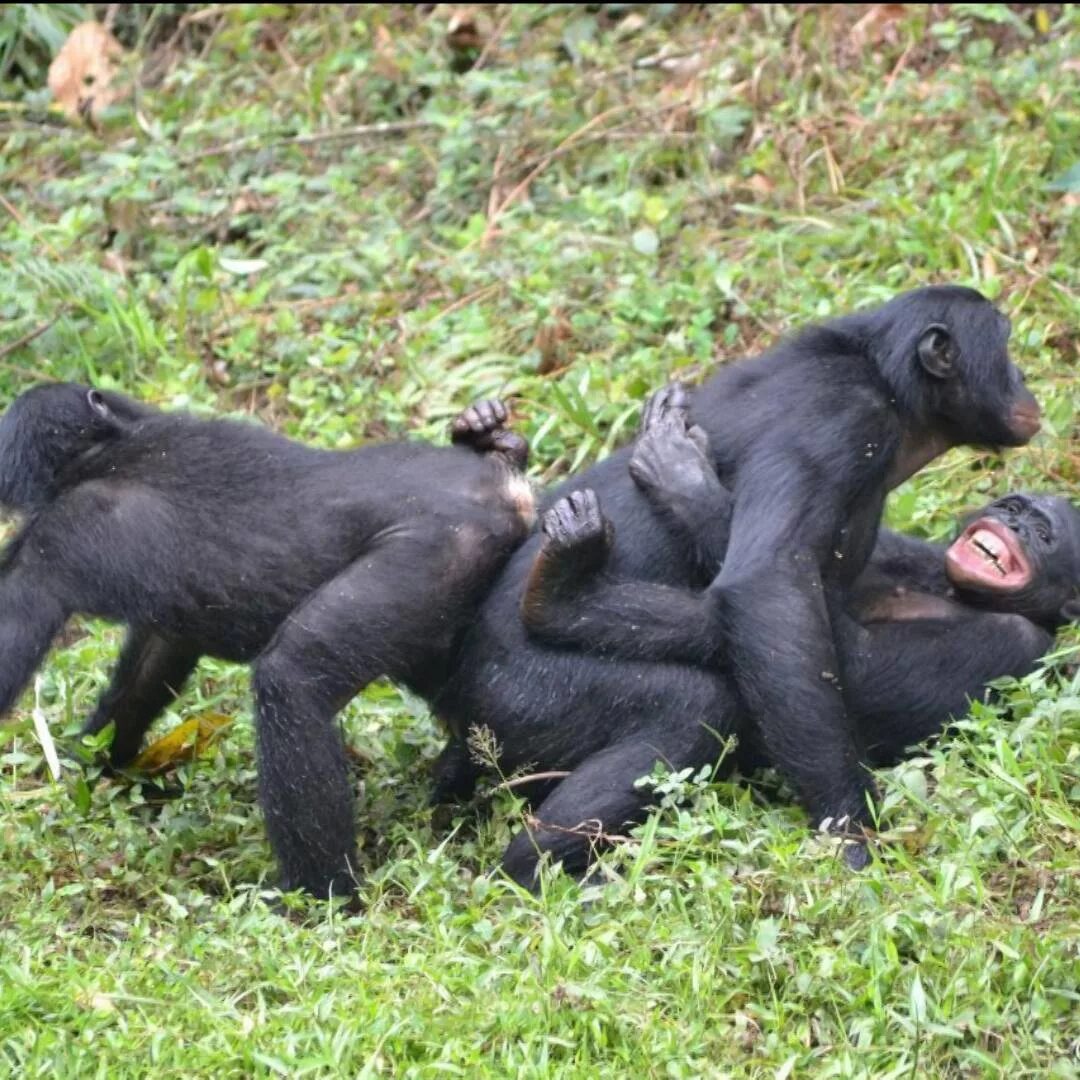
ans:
x=325 y=569
x=808 y=438
x=926 y=628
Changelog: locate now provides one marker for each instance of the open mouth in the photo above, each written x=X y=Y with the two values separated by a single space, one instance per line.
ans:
x=988 y=554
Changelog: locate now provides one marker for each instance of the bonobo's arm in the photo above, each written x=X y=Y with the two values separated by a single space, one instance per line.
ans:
x=774 y=599
x=909 y=674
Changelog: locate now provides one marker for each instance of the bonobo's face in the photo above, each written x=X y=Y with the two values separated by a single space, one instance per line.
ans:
x=975 y=392
x=48 y=427
x=1021 y=554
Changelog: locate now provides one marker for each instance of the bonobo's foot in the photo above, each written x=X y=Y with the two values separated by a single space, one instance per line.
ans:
x=854 y=842
x=482 y=427
x=576 y=531
x=857 y=854
x=577 y=540
x=454 y=774
x=671 y=463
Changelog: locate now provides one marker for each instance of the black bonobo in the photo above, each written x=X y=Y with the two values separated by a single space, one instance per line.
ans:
x=325 y=569
x=925 y=628
x=808 y=438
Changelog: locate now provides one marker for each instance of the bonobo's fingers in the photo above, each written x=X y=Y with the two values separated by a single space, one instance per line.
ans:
x=512 y=446
x=669 y=406
x=480 y=419
x=575 y=521
x=698 y=437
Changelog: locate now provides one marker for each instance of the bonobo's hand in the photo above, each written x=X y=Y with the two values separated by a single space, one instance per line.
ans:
x=482 y=427
x=671 y=464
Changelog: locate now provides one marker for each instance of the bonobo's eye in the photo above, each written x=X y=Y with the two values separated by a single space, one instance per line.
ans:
x=936 y=351
x=97 y=403
x=1042 y=531
x=1011 y=504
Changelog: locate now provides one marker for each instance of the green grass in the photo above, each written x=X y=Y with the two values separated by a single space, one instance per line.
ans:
x=667 y=225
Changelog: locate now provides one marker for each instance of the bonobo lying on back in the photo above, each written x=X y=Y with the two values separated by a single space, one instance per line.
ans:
x=808 y=438
x=325 y=569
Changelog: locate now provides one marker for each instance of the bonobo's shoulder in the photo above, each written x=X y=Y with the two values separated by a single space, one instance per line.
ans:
x=908 y=561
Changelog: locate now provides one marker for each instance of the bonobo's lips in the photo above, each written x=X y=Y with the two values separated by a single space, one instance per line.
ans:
x=1025 y=420
x=988 y=554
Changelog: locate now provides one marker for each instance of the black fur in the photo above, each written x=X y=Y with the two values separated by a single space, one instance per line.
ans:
x=322 y=569
x=808 y=438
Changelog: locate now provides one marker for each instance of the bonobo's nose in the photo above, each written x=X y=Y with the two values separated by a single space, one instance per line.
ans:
x=1025 y=419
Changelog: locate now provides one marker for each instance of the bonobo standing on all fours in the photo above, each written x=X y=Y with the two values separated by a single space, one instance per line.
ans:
x=808 y=438
x=326 y=569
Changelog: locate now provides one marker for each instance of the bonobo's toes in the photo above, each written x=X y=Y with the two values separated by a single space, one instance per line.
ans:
x=479 y=420
x=512 y=446
x=668 y=407
x=857 y=855
x=698 y=437
x=573 y=520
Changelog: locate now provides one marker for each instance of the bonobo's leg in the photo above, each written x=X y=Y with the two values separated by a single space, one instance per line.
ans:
x=31 y=615
x=777 y=620
x=482 y=427
x=570 y=602
x=600 y=798
x=150 y=672
x=378 y=617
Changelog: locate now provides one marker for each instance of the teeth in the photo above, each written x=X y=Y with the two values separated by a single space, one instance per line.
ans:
x=991 y=548
x=989 y=542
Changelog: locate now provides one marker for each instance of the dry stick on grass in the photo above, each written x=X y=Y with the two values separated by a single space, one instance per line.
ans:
x=14 y=346
x=344 y=134
x=519 y=781
x=21 y=221
x=545 y=161
x=464 y=301
x=492 y=41
x=573 y=141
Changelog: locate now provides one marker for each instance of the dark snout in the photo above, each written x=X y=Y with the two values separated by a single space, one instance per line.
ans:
x=1025 y=417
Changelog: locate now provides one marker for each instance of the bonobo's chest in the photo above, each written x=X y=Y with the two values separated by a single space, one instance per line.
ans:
x=853 y=542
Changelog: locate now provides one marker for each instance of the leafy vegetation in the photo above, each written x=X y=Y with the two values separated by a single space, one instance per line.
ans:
x=349 y=220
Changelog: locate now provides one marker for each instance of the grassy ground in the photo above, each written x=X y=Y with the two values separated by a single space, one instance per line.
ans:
x=607 y=199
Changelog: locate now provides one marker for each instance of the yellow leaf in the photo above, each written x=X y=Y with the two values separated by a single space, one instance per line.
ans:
x=184 y=742
x=1042 y=20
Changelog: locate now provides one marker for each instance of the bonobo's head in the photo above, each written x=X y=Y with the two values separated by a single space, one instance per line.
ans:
x=47 y=428
x=1021 y=554
x=944 y=351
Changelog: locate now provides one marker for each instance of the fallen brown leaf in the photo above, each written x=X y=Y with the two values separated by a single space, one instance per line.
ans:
x=81 y=76
x=876 y=25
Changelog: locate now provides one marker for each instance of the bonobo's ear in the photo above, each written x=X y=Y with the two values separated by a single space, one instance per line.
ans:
x=1070 y=610
x=96 y=400
x=936 y=351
